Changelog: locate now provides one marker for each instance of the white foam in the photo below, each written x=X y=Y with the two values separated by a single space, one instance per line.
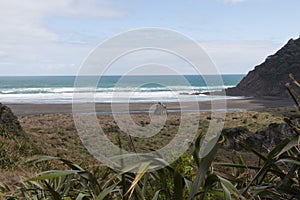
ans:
x=117 y=94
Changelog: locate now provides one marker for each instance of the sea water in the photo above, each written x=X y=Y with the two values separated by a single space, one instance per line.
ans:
x=60 y=89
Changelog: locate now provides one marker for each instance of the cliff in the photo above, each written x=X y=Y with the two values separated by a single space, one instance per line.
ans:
x=269 y=78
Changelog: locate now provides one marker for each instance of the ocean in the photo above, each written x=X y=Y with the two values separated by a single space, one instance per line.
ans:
x=59 y=89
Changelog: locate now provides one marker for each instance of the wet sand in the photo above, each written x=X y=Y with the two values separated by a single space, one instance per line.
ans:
x=106 y=108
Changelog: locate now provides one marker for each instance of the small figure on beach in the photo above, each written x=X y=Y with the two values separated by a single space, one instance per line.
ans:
x=160 y=109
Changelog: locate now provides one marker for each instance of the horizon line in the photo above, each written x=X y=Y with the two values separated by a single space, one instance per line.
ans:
x=53 y=75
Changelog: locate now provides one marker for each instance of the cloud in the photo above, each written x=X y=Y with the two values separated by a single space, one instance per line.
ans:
x=88 y=8
x=230 y=56
x=22 y=21
x=239 y=56
x=29 y=47
x=25 y=39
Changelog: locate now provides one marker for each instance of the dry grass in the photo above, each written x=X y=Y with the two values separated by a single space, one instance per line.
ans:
x=55 y=135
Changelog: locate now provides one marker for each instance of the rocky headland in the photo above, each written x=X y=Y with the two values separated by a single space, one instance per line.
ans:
x=270 y=77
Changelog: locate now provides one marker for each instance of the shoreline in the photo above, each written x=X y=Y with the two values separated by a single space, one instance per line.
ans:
x=143 y=107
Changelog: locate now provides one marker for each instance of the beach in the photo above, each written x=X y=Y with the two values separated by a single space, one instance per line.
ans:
x=52 y=129
x=105 y=108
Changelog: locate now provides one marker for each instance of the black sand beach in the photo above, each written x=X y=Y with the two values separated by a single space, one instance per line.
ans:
x=105 y=108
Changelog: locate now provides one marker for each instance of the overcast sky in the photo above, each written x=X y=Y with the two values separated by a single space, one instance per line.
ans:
x=54 y=37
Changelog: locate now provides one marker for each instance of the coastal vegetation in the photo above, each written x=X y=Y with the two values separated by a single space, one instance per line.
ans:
x=234 y=169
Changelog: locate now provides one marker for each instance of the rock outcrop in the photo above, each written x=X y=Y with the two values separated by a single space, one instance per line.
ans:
x=14 y=143
x=9 y=124
x=269 y=78
x=234 y=137
x=261 y=140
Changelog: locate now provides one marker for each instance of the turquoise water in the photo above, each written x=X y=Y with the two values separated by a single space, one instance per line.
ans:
x=59 y=89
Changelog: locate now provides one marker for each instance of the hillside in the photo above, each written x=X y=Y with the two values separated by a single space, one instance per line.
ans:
x=269 y=78
x=14 y=142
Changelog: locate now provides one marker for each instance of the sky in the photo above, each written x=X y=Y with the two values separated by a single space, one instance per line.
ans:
x=55 y=37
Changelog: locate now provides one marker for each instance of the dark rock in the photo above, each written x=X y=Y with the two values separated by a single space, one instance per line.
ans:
x=234 y=137
x=269 y=78
x=275 y=133
x=262 y=140
x=9 y=122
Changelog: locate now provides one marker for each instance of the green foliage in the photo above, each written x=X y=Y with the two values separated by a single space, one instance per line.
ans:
x=278 y=175
x=12 y=148
x=190 y=177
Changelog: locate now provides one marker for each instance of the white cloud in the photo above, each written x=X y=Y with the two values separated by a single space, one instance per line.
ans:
x=22 y=21
x=25 y=39
x=239 y=56
x=29 y=47
x=230 y=56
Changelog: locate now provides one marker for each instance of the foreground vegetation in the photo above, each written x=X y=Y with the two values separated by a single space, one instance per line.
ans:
x=188 y=178
x=269 y=174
